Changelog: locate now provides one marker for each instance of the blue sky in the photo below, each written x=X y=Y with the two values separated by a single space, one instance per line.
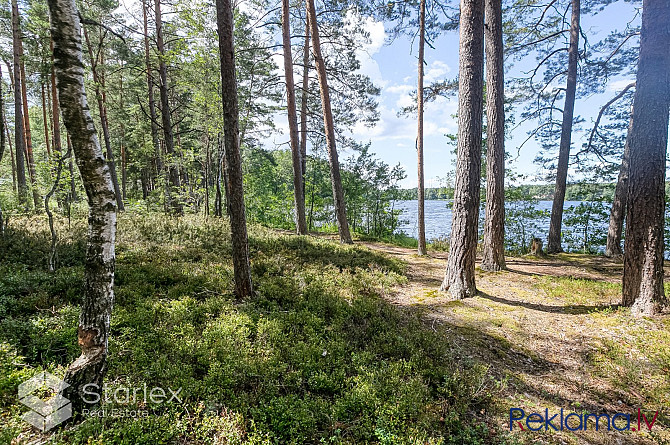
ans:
x=393 y=68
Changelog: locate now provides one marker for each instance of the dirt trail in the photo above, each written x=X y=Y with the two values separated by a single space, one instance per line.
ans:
x=542 y=325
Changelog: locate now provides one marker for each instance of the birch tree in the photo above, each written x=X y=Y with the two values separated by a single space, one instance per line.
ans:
x=98 y=291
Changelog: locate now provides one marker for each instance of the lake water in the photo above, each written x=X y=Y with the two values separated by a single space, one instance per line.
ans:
x=438 y=217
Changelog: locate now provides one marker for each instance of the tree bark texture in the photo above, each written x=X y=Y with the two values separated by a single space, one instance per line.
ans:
x=98 y=296
x=37 y=201
x=554 y=239
x=19 y=134
x=494 y=228
x=166 y=118
x=299 y=197
x=420 y=189
x=643 y=250
x=329 y=126
x=459 y=277
x=231 y=140
x=303 y=107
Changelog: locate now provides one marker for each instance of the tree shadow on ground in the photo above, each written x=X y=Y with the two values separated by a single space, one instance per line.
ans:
x=573 y=309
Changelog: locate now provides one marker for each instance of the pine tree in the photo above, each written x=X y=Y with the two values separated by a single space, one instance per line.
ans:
x=643 y=251
x=234 y=179
x=459 y=277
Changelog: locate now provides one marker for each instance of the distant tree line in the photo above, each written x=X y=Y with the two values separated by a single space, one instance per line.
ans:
x=577 y=191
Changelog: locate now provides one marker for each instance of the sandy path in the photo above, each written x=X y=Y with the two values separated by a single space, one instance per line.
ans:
x=543 y=341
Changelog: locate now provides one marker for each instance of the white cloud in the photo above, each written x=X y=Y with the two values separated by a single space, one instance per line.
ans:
x=618 y=85
x=370 y=46
x=436 y=71
x=399 y=89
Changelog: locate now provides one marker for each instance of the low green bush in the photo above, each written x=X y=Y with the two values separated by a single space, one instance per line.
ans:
x=316 y=357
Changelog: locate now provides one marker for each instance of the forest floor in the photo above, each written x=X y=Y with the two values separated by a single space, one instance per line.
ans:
x=341 y=344
x=551 y=328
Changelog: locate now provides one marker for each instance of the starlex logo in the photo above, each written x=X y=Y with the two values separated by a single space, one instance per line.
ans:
x=579 y=421
x=45 y=413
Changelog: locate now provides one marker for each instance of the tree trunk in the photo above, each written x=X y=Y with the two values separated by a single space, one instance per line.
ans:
x=102 y=111
x=152 y=104
x=494 y=229
x=235 y=182
x=2 y=119
x=218 y=197
x=335 y=176
x=613 y=246
x=206 y=173
x=37 y=201
x=172 y=170
x=2 y=143
x=98 y=296
x=55 y=109
x=420 y=190
x=303 y=107
x=459 y=278
x=19 y=135
x=299 y=197
x=124 y=151
x=46 y=123
x=11 y=151
x=554 y=239
x=73 y=188
x=643 y=252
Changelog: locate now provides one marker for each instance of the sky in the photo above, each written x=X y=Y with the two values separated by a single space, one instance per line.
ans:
x=393 y=68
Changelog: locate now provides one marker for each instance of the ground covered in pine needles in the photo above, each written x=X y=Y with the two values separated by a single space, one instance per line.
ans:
x=341 y=344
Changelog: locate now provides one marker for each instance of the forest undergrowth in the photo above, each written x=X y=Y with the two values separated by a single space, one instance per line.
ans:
x=341 y=344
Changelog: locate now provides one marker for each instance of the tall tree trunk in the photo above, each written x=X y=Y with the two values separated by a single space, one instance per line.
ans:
x=554 y=239
x=73 y=186
x=615 y=228
x=420 y=189
x=124 y=150
x=37 y=201
x=494 y=229
x=299 y=197
x=11 y=151
x=172 y=170
x=459 y=278
x=55 y=108
x=152 y=102
x=235 y=182
x=2 y=119
x=303 y=107
x=2 y=143
x=218 y=197
x=19 y=134
x=643 y=251
x=98 y=297
x=335 y=176
x=206 y=173
x=46 y=122
x=2 y=132
x=102 y=111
